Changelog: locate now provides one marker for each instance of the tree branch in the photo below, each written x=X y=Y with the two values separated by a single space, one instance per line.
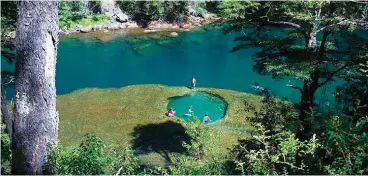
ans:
x=329 y=78
x=323 y=44
x=295 y=87
x=283 y=24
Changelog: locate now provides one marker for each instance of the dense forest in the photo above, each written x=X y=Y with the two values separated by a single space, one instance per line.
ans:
x=322 y=41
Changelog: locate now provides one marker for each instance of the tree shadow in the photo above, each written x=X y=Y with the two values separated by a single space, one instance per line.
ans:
x=163 y=138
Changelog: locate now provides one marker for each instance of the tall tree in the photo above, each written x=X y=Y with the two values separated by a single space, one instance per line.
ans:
x=36 y=118
x=313 y=44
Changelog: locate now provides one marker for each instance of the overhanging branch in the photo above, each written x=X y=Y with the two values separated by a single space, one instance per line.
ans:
x=295 y=87
x=283 y=24
x=329 y=78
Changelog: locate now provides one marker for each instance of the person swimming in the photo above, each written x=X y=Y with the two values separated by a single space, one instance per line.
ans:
x=170 y=113
x=257 y=87
x=189 y=112
x=206 y=119
x=194 y=81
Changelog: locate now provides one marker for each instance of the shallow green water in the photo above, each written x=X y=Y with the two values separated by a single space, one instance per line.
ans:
x=201 y=103
x=84 y=61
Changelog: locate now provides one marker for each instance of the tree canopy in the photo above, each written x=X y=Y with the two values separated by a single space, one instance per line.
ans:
x=315 y=41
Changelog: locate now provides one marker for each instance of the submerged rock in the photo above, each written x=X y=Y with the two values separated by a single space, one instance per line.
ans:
x=141 y=47
x=174 y=34
x=163 y=42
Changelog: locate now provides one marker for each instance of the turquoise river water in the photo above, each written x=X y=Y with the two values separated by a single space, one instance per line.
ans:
x=88 y=60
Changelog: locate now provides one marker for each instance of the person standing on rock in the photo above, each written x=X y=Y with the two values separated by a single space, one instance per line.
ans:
x=194 y=81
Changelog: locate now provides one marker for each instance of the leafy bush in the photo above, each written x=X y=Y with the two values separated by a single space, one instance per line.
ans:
x=90 y=158
x=236 y=9
x=73 y=13
x=341 y=147
x=345 y=146
x=203 y=156
x=146 y=11
x=123 y=163
x=199 y=8
x=273 y=154
x=5 y=152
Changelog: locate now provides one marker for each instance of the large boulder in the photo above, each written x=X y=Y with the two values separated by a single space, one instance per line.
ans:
x=120 y=16
x=85 y=29
x=97 y=27
x=112 y=26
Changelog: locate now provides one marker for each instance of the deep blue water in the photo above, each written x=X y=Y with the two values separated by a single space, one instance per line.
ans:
x=85 y=61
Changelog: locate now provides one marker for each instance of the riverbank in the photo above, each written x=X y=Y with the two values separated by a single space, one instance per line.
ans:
x=121 y=117
x=154 y=26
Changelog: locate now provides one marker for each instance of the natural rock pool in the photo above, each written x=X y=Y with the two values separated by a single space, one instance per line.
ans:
x=201 y=103
x=117 y=59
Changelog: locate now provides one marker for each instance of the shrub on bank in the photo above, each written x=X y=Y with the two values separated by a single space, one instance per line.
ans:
x=90 y=158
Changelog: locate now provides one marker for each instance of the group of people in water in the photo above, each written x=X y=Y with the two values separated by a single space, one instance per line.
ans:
x=206 y=118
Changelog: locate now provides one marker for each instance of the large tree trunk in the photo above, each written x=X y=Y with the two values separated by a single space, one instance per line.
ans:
x=36 y=119
x=6 y=113
x=306 y=106
x=309 y=89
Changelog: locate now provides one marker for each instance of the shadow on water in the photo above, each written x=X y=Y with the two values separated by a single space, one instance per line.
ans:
x=163 y=138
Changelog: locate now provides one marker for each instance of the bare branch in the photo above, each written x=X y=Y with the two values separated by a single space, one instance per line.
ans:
x=295 y=87
x=283 y=23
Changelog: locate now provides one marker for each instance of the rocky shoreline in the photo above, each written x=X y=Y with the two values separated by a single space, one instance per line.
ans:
x=154 y=26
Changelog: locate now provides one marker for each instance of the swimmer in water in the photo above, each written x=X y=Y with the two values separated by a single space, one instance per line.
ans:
x=189 y=112
x=206 y=119
x=257 y=87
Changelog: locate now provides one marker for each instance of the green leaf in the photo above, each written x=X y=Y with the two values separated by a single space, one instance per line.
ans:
x=360 y=123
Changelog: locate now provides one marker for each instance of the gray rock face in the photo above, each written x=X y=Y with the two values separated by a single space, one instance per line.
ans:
x=110 y=9
x=191 y=11
x=120 y=16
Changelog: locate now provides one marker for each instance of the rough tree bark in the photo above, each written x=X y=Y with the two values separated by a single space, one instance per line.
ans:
x=306 y=105
x=36 y=118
